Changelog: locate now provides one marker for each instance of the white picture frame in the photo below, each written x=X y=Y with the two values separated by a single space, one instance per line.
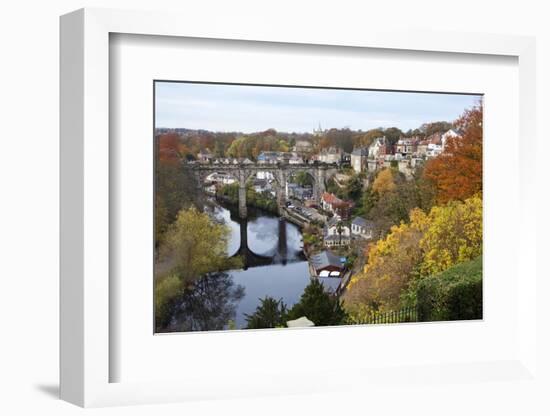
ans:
x=85 y=212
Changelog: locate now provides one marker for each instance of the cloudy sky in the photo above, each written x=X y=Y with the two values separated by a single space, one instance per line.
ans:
x=251 y=108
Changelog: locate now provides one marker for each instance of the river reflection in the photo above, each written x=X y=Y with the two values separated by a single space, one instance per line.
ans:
x=211 y=304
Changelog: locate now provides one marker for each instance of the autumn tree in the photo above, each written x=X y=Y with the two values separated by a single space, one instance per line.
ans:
x=457 y=172
x=389 y=199
x=384 y=182
x=368 y=137
x=175 y=189
x=455 y=235
x=197 y=245
x=170 y=148
x=435 y=127
x=427 y=245
x=390 y=267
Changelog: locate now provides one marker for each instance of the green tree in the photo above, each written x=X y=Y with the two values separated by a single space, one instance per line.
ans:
x=354 y=188
x=270 y=313
x=167 y=289
x=455 y=294
x=392 y=134
x=197 y=245
x=318 y=306
x=303 y=179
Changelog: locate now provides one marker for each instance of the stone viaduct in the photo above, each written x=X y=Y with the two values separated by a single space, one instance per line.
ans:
x=281 y=173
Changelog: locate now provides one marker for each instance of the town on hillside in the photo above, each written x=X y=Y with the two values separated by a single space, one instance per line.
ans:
x=366 y=206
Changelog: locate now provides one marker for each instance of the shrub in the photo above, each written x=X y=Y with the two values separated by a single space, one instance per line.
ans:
x=271 y=313
x=318 y=306
x=455 y=294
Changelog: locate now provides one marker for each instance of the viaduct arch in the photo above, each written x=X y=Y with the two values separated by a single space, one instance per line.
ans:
x=281 y=173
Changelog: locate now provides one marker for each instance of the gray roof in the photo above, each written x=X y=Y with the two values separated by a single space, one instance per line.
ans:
x=324 y=259
x=361 y=222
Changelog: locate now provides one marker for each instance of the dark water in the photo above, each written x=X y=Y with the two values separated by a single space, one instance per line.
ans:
x=220 y=297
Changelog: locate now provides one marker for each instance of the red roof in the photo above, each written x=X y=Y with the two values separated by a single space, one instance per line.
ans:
x=330 y=198
x=335 y=201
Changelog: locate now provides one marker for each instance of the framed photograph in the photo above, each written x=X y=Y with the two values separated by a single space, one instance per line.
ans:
x=239 y=212
x=262 y=221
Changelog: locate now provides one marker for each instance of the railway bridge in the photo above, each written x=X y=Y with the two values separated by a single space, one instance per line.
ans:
x=242 y=172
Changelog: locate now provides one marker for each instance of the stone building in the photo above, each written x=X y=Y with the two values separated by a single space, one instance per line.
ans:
x=359 y=158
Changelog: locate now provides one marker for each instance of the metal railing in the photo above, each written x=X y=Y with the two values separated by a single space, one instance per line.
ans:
x=409 y=314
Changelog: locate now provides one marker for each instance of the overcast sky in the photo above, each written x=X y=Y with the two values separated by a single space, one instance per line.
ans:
x=249 y=108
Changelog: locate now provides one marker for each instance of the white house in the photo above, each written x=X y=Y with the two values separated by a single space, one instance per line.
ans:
x=330 y=155
x=336 y=234
x=221 y=178
x=265 y=175
x=434 y=147
x=406 y=146
x=448 y=135
x=362 y=228
x=205 y=156
x=378 y=147
x=295 y=160
x=434 y=150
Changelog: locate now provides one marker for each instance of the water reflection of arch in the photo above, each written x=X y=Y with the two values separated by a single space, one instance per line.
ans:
x=279 y=254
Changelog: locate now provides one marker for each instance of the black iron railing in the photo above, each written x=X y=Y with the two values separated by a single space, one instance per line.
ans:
x=409 y=314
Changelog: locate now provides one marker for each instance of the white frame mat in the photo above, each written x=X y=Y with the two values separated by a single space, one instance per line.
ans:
x=85 y=355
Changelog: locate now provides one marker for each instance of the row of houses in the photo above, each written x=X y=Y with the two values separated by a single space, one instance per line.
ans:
x=414 y=150
x=206 y=156
x=269 y=158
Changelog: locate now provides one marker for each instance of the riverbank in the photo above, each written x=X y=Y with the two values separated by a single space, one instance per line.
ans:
x=237 y=293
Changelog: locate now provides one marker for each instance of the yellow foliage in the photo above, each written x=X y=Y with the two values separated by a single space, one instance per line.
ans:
x=384 y=182
x=166 y=289
x=428 y=244
x=197 y=244
x=391 y=264
x=455 y=235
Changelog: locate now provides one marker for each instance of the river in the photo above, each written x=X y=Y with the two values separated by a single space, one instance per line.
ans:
x=272 y=268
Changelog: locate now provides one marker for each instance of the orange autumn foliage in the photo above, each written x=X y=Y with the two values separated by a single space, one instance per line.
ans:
x=170 y=148
x=457 y=172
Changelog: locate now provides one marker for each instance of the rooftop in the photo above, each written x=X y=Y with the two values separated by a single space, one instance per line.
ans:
x=324 y=259
x=361 y=222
